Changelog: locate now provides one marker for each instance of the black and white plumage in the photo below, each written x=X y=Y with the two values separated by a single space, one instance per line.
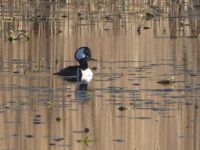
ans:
x=80 y=73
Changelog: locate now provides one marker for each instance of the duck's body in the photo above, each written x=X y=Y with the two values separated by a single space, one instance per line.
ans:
x=76 y=74
x=80 y=73
x=68 y=71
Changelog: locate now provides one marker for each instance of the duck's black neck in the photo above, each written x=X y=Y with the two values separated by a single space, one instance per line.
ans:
x=83 y=64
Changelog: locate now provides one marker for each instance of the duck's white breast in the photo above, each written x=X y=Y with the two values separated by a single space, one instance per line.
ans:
x=86 y=75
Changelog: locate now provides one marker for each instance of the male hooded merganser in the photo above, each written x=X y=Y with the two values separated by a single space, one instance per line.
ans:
x=79 y=73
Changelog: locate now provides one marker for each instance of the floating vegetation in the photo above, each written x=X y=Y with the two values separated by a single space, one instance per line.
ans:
x=38 y=116
x=85 y=140
x=147 y=16
x=58 y=139
x=54 y=139
x=49 y=104
x=17 y=36
x=64 y=16
x=122 y=108
x=86 y=130
x=16 y=72
x=166 y=81
x=19 y=61
x=146 y=28
x=58 y=119
x=29 y=136
x=37 y=121
x=119 y=140
x=8 y=19
x=161 y=109
x=140 y=118
x=52 y=144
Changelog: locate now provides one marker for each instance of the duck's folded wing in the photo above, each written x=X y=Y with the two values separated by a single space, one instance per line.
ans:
x=68 y=71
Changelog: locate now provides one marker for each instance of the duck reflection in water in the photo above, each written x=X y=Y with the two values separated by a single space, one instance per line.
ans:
x=81 y=73
x=82 y=94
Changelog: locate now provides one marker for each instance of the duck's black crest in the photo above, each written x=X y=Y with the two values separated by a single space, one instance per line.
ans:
x=84 y=50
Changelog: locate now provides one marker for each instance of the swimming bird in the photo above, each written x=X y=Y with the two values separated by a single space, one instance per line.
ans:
x=81 y=72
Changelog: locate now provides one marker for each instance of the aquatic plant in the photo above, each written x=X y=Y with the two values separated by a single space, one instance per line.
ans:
x=16 y=36
x=58 y=119
x=86 y=130
x=122 y=108
x=85 y=140
x=166 y=81
x=147 y=16
x=49 y=104
x=8 y=19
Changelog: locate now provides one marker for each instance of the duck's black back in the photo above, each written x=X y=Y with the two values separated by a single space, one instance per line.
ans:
x=69 y=71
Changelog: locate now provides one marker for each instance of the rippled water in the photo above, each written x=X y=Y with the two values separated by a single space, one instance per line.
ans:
x=125 y=108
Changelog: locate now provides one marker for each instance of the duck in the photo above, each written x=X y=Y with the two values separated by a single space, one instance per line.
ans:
x=79 y=73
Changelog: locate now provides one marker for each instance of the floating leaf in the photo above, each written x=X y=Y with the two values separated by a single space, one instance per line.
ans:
x=58 y=119
x=86 y=130
x=145 y=28
x=119 y=140
x=64 y=16
x=37 y=116
x=16 y=72
x=59 y=139
x=49 y=104
x=29 y=136
x=8 y=19
x=122 y=108
x=166 y=81
x=147 y=16
x=85 y=140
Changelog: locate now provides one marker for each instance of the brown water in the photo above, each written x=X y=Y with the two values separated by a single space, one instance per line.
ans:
x=40 y=111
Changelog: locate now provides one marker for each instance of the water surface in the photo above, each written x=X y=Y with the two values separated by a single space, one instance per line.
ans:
x=40 y=111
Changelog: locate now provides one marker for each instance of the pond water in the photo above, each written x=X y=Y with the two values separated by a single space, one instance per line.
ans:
x=136 y=43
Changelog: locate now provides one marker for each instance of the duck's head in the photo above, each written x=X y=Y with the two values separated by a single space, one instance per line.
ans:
x=83 y=53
